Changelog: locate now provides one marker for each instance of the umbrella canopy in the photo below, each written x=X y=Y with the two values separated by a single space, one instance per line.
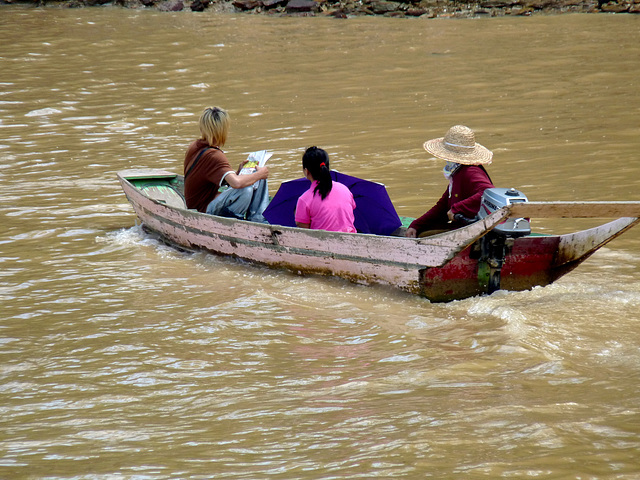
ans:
x=374 y=211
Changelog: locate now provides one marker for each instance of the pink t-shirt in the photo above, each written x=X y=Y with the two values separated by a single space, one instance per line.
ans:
x=334 y=213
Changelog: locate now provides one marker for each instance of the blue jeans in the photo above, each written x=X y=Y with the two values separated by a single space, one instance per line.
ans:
x=243 y=203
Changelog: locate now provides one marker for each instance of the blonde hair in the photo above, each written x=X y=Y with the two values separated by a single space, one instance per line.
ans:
x=214 y=126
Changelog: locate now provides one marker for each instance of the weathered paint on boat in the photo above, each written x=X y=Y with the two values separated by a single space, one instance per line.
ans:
x=530 y=261
x=364 y=258
x=442 y=267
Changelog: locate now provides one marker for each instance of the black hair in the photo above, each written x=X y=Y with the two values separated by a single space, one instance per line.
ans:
x=316 y=160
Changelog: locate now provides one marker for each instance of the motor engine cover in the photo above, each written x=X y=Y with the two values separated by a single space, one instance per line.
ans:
x=494 y=199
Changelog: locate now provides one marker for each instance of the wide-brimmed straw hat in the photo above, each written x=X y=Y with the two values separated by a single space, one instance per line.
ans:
x=459 y=145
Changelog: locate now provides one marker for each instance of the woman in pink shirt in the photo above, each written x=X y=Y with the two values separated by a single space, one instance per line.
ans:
x=327 y=205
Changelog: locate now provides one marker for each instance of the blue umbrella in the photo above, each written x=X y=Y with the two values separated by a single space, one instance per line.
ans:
x=374 y=211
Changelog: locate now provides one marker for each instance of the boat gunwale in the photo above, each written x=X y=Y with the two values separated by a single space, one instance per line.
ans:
x=454 y=241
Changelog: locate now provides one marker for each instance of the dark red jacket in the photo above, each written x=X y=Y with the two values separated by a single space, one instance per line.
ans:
x=469 y=182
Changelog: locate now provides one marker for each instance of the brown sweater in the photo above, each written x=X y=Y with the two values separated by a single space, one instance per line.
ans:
x=202 y=184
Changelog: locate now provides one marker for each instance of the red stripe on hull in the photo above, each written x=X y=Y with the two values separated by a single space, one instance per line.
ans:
x=528 y=263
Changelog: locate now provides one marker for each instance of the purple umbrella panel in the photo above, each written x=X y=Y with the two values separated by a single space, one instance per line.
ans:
x=374 y=212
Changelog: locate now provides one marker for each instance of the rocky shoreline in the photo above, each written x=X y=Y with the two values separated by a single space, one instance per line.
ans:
x=352 y=8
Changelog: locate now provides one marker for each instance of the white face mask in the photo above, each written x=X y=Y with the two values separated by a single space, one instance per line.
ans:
x=449 y=169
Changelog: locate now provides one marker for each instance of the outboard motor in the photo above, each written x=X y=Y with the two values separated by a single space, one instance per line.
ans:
x=494 y=199
x=493 y=247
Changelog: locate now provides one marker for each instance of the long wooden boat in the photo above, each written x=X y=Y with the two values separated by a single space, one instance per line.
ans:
x=442 y=267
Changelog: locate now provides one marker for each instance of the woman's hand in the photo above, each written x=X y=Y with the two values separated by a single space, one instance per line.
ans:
x=450 y=215
x=242 y=164
x=262 y=173
x=411 y=233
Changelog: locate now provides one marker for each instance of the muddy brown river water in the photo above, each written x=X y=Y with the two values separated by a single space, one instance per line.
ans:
x=121 y=358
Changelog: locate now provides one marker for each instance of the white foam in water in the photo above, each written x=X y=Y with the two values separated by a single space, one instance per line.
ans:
x=133 y=236
x=128 y=236
x=136 y=236
x=42 y=112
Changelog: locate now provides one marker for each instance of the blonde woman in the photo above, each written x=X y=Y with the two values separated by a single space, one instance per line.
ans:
x=207 y=171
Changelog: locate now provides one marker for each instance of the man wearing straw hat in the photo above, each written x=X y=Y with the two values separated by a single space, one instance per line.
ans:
x=467 y=177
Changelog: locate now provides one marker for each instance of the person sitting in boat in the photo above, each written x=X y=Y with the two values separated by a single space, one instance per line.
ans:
x=208 y=174
x=467 y=177
x=327 y=205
